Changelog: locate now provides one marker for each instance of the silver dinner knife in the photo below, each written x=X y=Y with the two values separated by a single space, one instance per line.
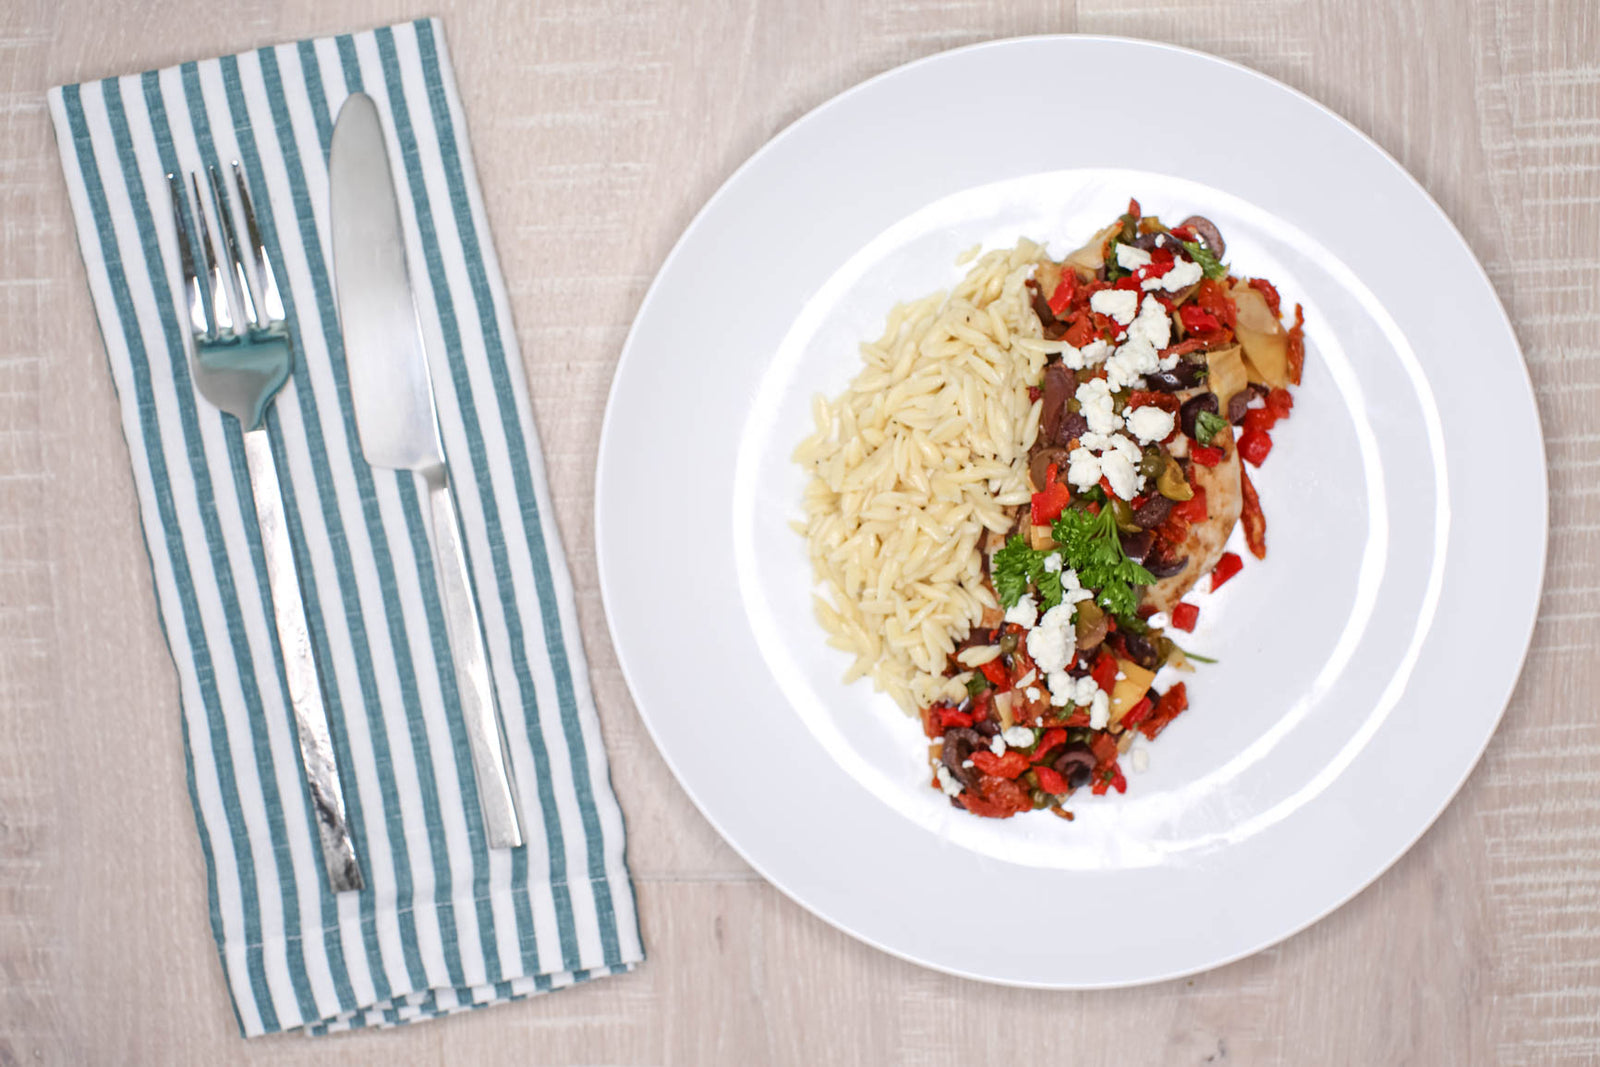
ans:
x=392 y=394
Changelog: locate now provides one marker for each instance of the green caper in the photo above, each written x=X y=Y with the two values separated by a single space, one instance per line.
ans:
x=1008 y=644
x=1041 y=799
x=1153 y=462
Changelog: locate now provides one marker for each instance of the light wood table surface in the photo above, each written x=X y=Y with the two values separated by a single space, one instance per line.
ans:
x=600 y=127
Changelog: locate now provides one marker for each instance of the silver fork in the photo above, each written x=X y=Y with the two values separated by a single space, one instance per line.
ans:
x=241 y=358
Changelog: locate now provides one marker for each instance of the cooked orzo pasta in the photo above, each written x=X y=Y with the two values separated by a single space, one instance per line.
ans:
x=913 y=464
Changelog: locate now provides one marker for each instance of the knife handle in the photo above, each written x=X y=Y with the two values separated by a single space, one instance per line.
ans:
x=497 y=798
x=300 y=668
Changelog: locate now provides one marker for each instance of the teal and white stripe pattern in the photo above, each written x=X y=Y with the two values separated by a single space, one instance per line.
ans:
x=444 y=924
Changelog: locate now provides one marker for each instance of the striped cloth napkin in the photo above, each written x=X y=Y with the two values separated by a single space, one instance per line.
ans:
x=444 y=923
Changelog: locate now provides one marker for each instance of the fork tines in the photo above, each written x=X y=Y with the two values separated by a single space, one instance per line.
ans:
x=228 y=305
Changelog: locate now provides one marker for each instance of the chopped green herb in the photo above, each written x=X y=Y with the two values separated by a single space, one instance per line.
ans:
x=976 y=684
x=1197 y=657
x=1208 y=425
x=1210 y=265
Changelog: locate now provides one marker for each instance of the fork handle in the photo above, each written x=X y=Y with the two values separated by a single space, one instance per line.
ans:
x=502 y=824
x=300 y=668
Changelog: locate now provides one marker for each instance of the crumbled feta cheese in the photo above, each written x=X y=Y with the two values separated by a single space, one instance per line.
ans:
x=1052 y=563
x=947 y=781
x=1025 y=612
x=966 y=764
x=1053 y=642
x=1149 y=423
x=1099 y=711
x=1097 y=406
x=1063 y=688
x=1085 y=689
x=1071 y=591
x=1130 y=257
x=997 y=745
x=1130 y=363
x=1018 y=736
x=1140 y=758
x=1083 y=469
x=1158 y=621
x=1121 y=472
x=1183 y=274
x=1095 y=442
x=1119 y=305
x=1094 y=352
x=1032 y=693
x=1153 y=324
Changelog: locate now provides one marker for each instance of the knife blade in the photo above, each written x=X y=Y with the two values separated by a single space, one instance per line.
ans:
x=391 y=392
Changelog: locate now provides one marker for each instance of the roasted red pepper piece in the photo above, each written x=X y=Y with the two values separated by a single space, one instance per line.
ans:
x=1259 y=420
x=935 y=719
x=1213 y=297
x=1009 y=765
x=1184 y=616
x=1194 y=509
x=1297 y=345
x=1050 y=502
x=1052 y=737
x=1229 y=565
x=1280 y=402
x=1105 y=671
x=1051 y=499
x=995 y=671
x=1110 y=778
x=1065 y=292
x=1198 y=320
x=996 y=798
x=1050 y=781
x=1268 y=290
x=1137 y=714
x=1205 y=455
x=1145 y=397
x=1173 y=702
x=1255 y=523
x=1254 y=446
x=1080 y=332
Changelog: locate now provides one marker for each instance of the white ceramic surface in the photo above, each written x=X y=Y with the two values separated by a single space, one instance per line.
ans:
x=1364 y=665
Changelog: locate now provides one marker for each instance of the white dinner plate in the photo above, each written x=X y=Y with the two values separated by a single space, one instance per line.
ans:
x=1364 y=664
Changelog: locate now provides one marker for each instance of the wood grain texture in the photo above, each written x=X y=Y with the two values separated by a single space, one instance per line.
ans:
x=600 y=127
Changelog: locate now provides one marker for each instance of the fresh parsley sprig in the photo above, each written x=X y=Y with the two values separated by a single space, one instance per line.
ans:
x=1090 y=546
x=1015 y=567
